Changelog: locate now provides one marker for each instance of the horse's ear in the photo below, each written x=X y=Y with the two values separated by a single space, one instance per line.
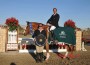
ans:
x=27 y=22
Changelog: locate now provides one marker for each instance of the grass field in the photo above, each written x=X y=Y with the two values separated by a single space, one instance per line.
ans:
x=15 y=58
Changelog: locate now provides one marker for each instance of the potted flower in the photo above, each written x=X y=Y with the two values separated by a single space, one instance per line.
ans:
x=12 y=23
x=70 y=23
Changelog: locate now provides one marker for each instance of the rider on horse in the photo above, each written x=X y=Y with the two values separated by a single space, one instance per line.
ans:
x=53 y=21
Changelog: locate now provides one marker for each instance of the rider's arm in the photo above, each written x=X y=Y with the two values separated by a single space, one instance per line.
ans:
x=49 y=21
x=57 y=18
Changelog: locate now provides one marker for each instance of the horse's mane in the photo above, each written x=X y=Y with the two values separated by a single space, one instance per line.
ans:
x=37 y=23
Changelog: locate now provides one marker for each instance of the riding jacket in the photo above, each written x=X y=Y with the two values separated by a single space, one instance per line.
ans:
x=54 y=20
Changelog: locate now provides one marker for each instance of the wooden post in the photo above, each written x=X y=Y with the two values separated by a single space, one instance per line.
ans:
x=78 y=40
x=6 y=38
x=2 y=38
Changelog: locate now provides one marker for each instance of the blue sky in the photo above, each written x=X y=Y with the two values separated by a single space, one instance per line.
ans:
x=41 y=11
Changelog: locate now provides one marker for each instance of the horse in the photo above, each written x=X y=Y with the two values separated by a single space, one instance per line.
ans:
x=32 y=26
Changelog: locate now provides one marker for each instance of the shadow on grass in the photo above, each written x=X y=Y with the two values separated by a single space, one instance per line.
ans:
x=33 y=55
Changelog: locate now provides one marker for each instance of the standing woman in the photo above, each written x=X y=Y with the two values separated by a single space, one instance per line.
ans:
x=40 y=32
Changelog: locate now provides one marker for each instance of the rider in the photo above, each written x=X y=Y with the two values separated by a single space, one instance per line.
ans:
x=53 y=21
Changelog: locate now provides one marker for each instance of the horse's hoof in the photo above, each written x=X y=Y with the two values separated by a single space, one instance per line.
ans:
x=64 y=57
x=47 y=57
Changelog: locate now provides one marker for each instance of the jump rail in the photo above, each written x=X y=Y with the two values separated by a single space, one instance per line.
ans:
x=25 y=41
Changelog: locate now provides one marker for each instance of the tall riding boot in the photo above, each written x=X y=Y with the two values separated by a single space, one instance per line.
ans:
x=37 y=57
x=41 y=57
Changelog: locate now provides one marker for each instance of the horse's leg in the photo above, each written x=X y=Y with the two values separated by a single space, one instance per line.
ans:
x=47 y=48
x=70 y=48
x=66 y=54
x=71 y=51
x=47 y=52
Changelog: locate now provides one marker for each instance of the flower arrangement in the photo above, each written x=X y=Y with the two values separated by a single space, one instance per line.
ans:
x=70 y=23
x=12 y=23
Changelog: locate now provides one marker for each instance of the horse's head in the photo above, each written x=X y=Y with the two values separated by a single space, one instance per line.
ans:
x=26 y=31
x=32 y=26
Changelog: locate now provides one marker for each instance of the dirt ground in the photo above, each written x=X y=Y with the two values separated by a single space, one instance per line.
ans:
x=15 y=58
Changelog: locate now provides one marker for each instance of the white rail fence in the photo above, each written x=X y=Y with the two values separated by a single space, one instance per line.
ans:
x=13 y=39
